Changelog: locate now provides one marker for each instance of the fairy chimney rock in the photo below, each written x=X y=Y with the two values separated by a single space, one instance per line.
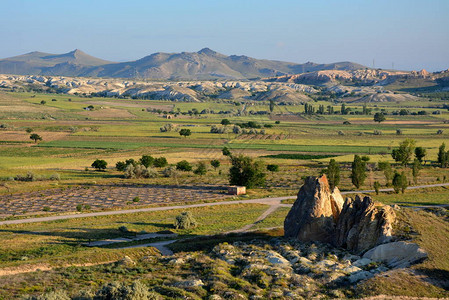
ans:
x=315 y=212
x=320 y=214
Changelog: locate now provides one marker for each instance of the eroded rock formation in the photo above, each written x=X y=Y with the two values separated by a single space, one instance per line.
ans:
x=322 y=215
x=363 y=225
x=314 y=215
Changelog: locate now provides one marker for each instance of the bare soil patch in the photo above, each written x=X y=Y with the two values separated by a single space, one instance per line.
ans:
x=106 y=196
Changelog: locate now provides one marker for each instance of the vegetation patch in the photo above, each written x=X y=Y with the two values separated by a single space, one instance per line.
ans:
x=298 y=156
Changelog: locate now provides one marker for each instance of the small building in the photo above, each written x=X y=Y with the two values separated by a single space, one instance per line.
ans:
x=237 y=190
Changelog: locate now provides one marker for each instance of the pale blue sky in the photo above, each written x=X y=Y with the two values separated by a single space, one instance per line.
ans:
x=412 y=34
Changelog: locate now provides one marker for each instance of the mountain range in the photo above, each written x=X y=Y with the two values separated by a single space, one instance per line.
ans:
x=202 y=65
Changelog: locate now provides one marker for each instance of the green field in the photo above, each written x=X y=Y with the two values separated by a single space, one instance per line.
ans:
x=117 y=129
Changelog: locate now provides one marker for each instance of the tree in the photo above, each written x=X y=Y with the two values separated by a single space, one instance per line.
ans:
x=333 y=173
x=385 y=166
x=160 y=162
x=215 y=163
x=358 y=174
x=416 y=167
x=379 y=117
x=443 y=156
x=399 y=182
x=309 y=109
x=29 y=130
x=420 y=153
x=183 y=165
x=147 y=160
x=120 y=166
x=273 y=168
x=35 y=137
x=343 y=109
x=43 y=102
x=246 y=172
x=271 y=105
x=131 y=161
x=99 y=164
x=201 y=169
x=185 y=132
x=376 y=187
x=226 y=151
x=225 y=122
x=404 y=153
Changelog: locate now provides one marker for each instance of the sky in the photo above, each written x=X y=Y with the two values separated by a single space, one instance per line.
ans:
x=410 y=34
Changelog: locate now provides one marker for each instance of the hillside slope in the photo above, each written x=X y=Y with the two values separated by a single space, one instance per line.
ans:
x=204 y=64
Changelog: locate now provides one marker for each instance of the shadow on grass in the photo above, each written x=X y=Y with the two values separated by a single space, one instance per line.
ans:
x=438 y=277
x=206 y=243
x=412 y=204
x=78 y=235
x=157 y=225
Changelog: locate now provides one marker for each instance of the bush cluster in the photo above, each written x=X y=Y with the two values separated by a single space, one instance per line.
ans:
x=185 y=221
x=29 y=176
x=139 y=171
x=142 y=167
x=169 y=127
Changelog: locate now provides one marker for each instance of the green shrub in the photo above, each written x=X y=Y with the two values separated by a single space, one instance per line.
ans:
x=123 y=229
x=55 y=295
x=184 y=165
x=201 y=169
x=170 y=172
x=185 y=221
x=55 y=176
x=139 y=171
x=168 y=127
x=273 y=168
x=28 y=177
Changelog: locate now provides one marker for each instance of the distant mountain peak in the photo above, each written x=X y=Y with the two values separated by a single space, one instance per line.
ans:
x=207 y=51
x=76 y=53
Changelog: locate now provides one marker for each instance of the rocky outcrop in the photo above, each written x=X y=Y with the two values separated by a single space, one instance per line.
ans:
x=363 y=225
x=321 y=215
x=397 y=254
x=314 y=215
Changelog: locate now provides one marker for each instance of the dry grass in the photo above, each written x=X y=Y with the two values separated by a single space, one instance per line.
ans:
x=427 y=279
